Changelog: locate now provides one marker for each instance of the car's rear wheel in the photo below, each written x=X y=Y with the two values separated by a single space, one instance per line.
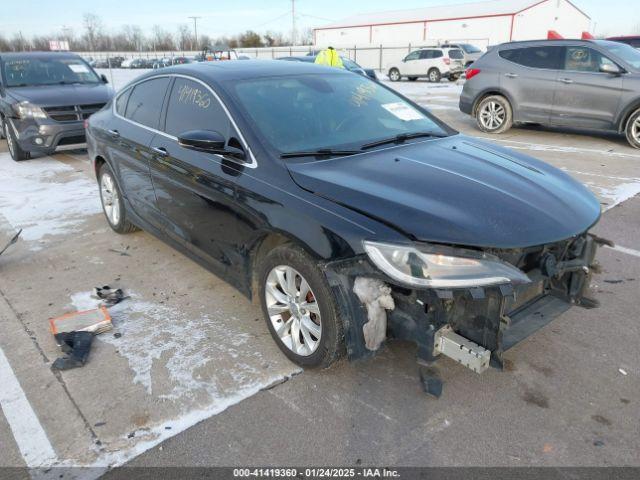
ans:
x=632 y=130
x=299 y=308
x=453 y=78
x=434 y=75
x=16 y=152
x=494 y=114
x=112 y=201
x=394 y=75
x=412 y=79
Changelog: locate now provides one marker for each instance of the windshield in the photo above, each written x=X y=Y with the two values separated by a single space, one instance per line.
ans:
x=467 y=47
x=27 y=72
x=311 y=112
x=625 y=52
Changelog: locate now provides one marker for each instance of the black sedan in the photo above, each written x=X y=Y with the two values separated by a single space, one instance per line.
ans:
x=349 y=212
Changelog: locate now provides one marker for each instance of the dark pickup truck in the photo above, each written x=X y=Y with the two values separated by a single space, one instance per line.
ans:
x=45 y=97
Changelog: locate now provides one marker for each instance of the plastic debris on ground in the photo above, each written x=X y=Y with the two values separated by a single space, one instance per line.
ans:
x=74 y=331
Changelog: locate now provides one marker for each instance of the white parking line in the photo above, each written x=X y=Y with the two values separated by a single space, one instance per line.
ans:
x=628 y=251
x=27 y=431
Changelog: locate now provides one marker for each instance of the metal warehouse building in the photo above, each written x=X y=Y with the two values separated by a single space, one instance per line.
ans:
x=482 y=23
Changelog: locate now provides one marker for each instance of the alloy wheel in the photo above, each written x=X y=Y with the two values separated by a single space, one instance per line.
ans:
x=492 y=115
x=433 y=76
x=293 y=310
x=635 y=130
x=110 y=198
x=394 y=75
x=10 y=142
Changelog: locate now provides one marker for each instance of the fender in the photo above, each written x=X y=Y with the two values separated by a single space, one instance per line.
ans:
x=621 y=120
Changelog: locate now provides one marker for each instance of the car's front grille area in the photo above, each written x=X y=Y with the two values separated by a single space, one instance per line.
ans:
x=72 y=113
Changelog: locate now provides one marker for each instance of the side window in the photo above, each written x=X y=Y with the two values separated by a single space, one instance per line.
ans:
x=192 y=106
x=413 y=56
x=584 y=59
x=426 y=54
x=436 y=54
x=121 y=102
x=145 y=102
x=549 y=58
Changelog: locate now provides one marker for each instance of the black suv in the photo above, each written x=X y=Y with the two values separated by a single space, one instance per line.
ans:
x=45 y=98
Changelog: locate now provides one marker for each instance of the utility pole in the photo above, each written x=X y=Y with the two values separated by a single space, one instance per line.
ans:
x=293 y=22
x=195 y=29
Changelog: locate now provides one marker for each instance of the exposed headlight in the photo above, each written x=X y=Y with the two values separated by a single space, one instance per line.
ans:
x=441 y=267
x=29 y=110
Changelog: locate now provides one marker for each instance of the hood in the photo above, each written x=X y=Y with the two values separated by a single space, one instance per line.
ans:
x=456 y=190
x=61 y=95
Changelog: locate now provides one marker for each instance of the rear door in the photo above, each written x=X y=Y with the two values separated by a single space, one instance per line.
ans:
x=586 y=97
x=136 y=121
x=195 y=190
x=529 y=77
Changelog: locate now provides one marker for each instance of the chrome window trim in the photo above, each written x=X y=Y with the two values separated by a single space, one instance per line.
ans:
x=253 y=164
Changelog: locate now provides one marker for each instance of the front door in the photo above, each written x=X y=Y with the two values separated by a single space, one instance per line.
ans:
x=412 y=64
x=586 y=97
x=195 y=191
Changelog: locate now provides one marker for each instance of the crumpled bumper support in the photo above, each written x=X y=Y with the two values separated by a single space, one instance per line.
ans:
x=495 y=318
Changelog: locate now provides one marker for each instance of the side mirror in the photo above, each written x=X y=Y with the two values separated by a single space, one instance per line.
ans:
x=610 y=68
x=209 y=141
x=103 y=77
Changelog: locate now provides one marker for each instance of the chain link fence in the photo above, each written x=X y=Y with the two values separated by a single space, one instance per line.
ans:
x=370 y=56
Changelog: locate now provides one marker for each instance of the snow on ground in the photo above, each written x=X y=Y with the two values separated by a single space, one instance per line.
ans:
x=45 y=197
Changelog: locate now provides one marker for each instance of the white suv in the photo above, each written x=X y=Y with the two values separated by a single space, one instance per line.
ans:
x=433 y=63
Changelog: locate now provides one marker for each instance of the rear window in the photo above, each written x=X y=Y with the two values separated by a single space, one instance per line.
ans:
x=456 y=54
x=467 y=47
x=145 y=102
x=551 y=58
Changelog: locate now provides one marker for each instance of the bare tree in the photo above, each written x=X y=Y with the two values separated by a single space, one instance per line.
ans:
x=161 y=39
x=274 y=39
x=184 y=38
x=5 y=45
x=93 y=26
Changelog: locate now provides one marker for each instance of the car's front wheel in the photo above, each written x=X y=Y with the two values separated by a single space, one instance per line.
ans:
x=494 y=114
x=17 y=153
x=299 y=307
x=394 y=75
x=632 y=130
x=112 y=201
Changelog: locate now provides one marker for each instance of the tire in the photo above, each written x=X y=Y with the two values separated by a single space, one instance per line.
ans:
x=16 y=152
x=632 y=130
x=394 y=75
x=494 y=114
x=2 y=135
x=453 y=78
x=412 y=79
x=434 y=75
x=112 y=201
x=320 y=339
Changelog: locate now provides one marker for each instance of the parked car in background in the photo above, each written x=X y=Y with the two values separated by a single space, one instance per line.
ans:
x=45 y=97
x=432 y=63
x=126 y=63
x=632 y=40
x=140 y=63
x=587 y=84
x=322 y=194
x=348 y=65
x=470 y=53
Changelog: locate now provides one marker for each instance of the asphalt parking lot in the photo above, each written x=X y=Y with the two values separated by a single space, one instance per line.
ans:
x=194 y=378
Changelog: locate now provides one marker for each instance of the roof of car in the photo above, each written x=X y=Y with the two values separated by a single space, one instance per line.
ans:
x=238 y=70
x=558 y=41
x=9 y=55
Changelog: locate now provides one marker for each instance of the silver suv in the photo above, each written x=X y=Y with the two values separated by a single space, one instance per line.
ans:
x=586 y=84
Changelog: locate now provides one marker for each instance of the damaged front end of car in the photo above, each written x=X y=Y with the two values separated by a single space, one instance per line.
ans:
x=471 y=305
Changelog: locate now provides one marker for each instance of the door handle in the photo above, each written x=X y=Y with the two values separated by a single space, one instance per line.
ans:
x=114 y=133
x=511 y=75
x=566 y=80
x=160 y=151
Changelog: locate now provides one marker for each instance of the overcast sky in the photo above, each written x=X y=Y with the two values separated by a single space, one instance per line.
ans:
x=224 y=17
